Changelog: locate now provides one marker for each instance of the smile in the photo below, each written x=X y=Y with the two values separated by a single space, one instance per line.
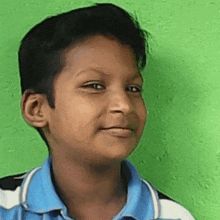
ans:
x=119 y=132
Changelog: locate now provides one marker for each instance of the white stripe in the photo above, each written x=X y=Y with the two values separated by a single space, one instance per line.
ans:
x=20 y=213
x=26 y=184
x=44 y=216
x=9 y=199
x=170 y=209
x=20 y=177
x=167 y=209
x=154 y=198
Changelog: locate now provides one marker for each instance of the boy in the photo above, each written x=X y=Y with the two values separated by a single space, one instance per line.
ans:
x=81 y=86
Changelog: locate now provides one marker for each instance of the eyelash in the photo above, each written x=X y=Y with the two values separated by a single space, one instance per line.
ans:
x=139 y=90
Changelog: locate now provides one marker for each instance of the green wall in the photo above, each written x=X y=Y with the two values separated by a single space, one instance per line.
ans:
x=179 y=152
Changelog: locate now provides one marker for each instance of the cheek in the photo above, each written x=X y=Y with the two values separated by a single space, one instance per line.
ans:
x=80 y=117
x=84 y=110
x=142 y=117
x=142 y=111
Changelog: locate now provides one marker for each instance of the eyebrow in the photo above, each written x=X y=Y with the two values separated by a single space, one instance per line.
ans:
x=138 y=75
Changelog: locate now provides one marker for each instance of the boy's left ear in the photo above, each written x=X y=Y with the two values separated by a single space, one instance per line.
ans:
x=33 y=108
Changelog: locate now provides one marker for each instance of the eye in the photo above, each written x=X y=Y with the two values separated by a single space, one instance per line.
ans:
x=98 y=86
x=135 y=89
x=94 y=86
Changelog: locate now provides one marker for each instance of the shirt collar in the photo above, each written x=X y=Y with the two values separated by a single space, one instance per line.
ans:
x=139 y=203
x=41 y=196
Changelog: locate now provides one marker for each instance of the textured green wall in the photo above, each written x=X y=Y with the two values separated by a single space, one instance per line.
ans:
x=179 y=151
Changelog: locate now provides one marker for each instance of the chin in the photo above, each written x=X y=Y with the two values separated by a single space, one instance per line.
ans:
x=118 y=153
x=113 y=149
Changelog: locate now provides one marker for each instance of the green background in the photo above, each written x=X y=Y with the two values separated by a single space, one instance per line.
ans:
x=179 y=151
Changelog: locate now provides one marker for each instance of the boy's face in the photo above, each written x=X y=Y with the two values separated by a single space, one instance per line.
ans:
x=83 y=110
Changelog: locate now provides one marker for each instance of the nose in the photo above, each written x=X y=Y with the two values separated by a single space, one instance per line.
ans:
x=119 y=101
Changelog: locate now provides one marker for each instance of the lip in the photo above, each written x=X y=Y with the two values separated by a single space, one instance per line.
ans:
x=118 y=132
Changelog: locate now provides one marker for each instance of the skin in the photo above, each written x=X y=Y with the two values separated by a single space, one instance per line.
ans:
x=86 y=160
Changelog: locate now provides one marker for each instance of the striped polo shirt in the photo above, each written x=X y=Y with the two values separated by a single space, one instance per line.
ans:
x=32 y=196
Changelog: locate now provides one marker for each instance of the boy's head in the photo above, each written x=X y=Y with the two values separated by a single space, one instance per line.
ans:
x=105 y=43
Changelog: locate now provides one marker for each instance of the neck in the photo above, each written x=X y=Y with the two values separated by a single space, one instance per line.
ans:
x=81 y=185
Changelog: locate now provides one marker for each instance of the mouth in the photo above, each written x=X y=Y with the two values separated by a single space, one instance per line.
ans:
x=119 y=132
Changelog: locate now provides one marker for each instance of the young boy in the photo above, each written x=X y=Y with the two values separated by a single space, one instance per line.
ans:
x=81 y=85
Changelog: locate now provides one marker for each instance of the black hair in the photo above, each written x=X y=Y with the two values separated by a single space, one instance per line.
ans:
x=41 y=53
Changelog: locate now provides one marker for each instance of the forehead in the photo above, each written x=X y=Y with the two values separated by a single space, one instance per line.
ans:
x=102 y=55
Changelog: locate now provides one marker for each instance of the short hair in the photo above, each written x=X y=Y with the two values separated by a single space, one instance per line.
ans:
x=41 y=52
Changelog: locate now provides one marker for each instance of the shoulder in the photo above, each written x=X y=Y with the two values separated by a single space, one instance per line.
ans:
x=166 y=207
x=170 y=208
x=10 y=187
x=11 y=182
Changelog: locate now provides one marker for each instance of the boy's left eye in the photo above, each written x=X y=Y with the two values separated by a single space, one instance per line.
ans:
x=135 y=89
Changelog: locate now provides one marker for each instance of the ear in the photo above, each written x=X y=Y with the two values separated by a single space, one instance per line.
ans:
x=33 y=108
